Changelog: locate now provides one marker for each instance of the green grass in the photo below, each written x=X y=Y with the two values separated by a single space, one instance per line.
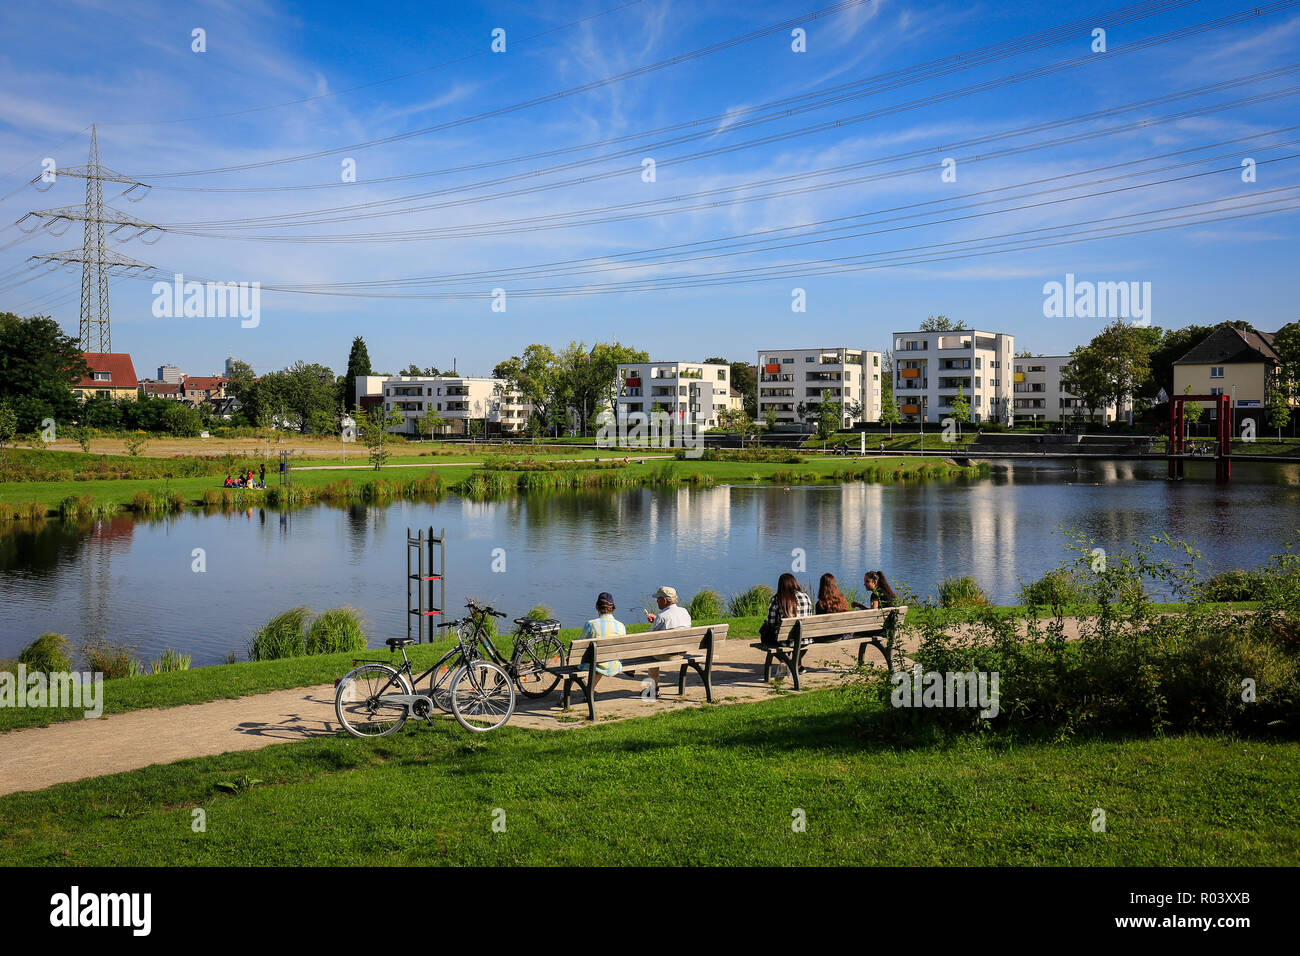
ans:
x=707 y=786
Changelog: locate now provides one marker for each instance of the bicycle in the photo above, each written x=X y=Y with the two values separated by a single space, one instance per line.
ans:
x=537 y=646
x=376 y=699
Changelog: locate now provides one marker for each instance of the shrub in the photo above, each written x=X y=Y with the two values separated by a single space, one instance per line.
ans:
x=113 y=659
x=170 y=661
x=751 y=603
x=336 y=630
x=47 y=654
x=1235 y=585
x=963 y=591
x=1056 y=588
x=707 y=605
x=282 y=636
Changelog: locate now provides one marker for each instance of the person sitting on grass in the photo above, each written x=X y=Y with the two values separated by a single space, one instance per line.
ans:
x=830 y=600
x=604 y=625
x=879 y=593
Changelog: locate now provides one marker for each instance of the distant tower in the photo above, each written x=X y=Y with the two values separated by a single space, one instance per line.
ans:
x=96 y=261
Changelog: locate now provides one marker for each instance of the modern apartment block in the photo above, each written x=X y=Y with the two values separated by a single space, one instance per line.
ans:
x=693 y=392
x=1040 y=396
x=788 y=378
x=459 y=400
x=930 y=368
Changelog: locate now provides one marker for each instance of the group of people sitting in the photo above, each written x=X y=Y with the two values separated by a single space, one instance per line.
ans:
x=789 y=601
x=242 y=480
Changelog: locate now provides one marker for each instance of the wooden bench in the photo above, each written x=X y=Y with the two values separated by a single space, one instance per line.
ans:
x=877 y=628
x=690 y=647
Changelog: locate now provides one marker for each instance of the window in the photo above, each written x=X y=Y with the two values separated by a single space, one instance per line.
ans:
x=810 y=358
x=787 y=360
x=875 y=361
x=1216 y=391
x=103 y=376
x=977 y=362
x=722 y=375
x=1216 y=371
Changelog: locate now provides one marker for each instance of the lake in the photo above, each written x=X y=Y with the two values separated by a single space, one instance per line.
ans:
x=133 y=581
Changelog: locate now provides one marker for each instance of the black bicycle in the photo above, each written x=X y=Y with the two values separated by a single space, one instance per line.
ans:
x=474 y=681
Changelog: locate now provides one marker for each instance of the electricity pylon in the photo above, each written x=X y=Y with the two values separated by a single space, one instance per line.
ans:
x=96 y=261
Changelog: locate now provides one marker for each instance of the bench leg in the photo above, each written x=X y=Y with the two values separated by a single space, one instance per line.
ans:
x=568 y=686
x=862 y=652
x=767 y=668
x=706 y=673
x=796 y=658
x=681 y=681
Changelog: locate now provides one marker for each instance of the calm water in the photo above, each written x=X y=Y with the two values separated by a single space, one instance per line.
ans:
x=133 y=581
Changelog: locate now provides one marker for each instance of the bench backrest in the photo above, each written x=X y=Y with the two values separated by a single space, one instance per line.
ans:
x=822 y=626
x=647 y=643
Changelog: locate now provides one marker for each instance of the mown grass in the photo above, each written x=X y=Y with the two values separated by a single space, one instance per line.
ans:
x=709 y=786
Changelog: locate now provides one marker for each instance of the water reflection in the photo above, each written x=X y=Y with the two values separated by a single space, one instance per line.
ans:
x=132 y=580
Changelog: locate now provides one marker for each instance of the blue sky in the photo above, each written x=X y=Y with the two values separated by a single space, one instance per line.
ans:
x=128 y=66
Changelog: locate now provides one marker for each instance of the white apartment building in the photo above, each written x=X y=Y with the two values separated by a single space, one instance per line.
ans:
x=788 y=378
x=693 y=392
x=1040 y=396
x=460 y=400
x=931 y=367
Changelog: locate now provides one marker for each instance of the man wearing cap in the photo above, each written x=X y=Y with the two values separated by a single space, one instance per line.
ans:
x=670 y=617
x=606 y=625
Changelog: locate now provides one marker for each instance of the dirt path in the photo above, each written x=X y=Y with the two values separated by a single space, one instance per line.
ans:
x=40 y=757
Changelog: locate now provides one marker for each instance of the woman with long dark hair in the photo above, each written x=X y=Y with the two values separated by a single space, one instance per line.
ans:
x=879 y=593
x=830 y=600
x=789 y=601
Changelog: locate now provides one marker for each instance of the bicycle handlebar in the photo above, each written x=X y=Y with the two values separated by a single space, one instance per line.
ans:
x=476 y=606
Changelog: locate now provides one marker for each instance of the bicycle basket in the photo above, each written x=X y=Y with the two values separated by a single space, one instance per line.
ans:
x=534 y=626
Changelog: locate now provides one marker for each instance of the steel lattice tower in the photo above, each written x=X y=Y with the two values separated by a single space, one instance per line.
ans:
x=95 y=258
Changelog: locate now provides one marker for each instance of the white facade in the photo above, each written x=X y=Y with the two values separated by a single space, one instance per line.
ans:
x=369 y=386
x=459 y=400
x=788 y=378
x=692 y=392
x=170 y=374
x=1040 y=396
x=930 y=368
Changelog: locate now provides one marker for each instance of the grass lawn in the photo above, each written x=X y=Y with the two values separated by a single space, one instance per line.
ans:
x=716 y=785
x=119 y=492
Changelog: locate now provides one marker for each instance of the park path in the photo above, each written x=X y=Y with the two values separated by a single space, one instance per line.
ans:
x=40 y=757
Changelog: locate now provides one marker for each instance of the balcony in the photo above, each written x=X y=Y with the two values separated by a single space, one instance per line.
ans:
x=823 y=377
x=785 y=377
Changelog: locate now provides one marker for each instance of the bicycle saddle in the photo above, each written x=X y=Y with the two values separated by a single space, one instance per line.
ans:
x=396 y=642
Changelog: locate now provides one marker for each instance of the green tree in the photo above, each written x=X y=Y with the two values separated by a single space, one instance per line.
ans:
x=182 y=421
x=429 y=421
x=358 y=364
x=1125 y=352
x=960 y=410
x=1277 y=403
x=889 y=411
x=1085 y=377
x=769 y=418
x=1193 y=412
x=1286 y=342
x=39 y=366
x=941 y=323
x=829 y=415
x=534 y=375
x=8 y=423
x=373 y=429
x=744 y=379
x=304 y=393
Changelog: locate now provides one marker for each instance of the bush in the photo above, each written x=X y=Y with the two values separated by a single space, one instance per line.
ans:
x=751 y=603
x=335 y=631
x=962 y=591
x=47 y=654
x=1057 y=588
x=1235 y=585
x=170 y=661
x=282 y=636
x=707 y=605
x=111 y=658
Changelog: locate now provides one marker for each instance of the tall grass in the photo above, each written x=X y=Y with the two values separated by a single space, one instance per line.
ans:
x=47 y=654
x=169 y=662
x=1056 y=588
x=282 y=636
x=963 y=591
x=337 y=630
x=751 y=603
x=113 y=659
x=706 y=605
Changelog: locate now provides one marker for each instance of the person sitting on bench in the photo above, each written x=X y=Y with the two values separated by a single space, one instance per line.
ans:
x=670 y=617
x=789 y=601
x=830 y=600
x=879 y=593
x=606 y=625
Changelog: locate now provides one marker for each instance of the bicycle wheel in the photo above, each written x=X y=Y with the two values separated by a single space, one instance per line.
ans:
x=531 y=659
x=357 y=701
x=482 y=696
x=441 y=685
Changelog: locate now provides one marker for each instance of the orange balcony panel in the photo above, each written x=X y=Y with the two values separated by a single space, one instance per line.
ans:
x=771 y=369
x=910 y=409
x=910 y=372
